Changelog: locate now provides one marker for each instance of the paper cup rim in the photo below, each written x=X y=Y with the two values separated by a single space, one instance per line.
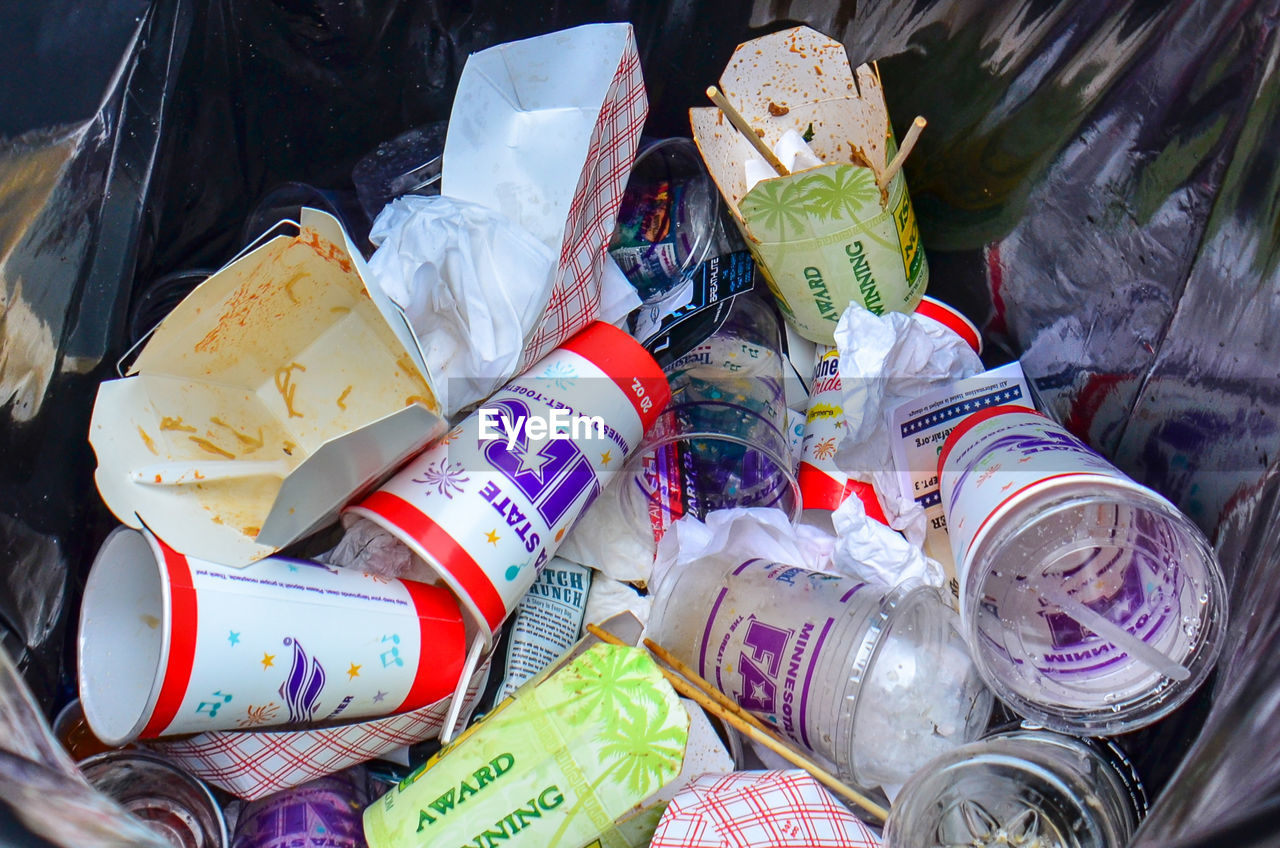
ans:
x=112 y=560
x=953 y=319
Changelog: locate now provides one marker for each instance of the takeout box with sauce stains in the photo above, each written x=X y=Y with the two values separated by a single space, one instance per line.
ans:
x=824 y=236
x=280 y=388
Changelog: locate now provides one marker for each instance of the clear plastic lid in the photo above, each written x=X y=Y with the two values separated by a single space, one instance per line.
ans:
x=920 y=694
x=1023 y=788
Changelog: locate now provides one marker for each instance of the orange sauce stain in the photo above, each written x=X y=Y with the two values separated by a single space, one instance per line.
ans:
x=342 y=398
x=146 y=440
x=206 y=445
x=325 y=249
x=168 y=423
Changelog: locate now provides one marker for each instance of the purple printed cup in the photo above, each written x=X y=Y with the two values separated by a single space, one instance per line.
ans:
x=721 y=443
x=324 y=812
x=1092 y=606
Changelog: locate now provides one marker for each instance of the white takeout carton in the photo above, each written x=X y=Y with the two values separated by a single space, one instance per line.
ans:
x=545 y=130
x=823 y=236
x=280 y=388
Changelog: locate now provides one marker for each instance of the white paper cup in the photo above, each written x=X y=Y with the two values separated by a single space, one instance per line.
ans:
x=169 y=644
x=487 y=516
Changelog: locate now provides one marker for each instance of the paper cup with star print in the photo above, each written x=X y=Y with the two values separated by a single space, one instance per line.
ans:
x=488 y=505
x=170 y=644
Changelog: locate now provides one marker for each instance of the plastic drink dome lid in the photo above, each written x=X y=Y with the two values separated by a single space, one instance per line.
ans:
x=1020 y=788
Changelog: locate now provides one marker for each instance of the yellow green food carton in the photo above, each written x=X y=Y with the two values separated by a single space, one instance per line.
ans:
x=823 y=236
x=568 y=760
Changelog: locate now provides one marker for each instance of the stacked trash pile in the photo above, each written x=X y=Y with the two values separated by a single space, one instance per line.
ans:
x=631 y=492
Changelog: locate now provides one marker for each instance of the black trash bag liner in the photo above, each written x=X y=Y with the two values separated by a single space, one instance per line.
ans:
x=1097 y=187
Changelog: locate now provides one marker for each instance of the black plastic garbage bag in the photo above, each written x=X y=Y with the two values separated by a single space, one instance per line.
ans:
x=1097 y=186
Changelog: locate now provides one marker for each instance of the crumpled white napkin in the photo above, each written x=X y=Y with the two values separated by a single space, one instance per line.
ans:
x=886 y=360
x=751 y=533
x=873 y=553
x=473 y=285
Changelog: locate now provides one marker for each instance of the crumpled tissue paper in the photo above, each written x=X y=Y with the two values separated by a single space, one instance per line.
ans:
x=867 y=550
x=473 y=286
x=752 y=533
x=886 y=360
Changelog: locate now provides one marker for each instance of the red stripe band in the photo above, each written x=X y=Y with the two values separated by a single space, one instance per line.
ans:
x=998 y=507
x=432 y=542
x=628 y=364
x=973 y=420
x=442 y=650
x=182 y=641
x=953 y=319
x=818 y=489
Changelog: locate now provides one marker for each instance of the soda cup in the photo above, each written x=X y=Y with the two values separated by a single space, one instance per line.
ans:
x=488 y=505
x=876 y=680
x=1091 y=604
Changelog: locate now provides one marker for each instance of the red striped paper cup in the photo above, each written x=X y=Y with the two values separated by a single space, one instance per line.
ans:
x=488 y=505
x=170 y=644
x=953 y=319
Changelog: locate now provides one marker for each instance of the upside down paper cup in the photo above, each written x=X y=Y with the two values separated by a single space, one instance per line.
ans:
x=488 y=505
x=170 y=644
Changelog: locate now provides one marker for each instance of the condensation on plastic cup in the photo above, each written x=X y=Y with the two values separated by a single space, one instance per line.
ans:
x=1090 y=603
x=171 y=803
x=1025 y=787
x=669 y=220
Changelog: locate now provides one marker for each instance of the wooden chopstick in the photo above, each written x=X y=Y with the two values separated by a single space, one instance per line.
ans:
x=908 y=142
x=741 y=125
x=712 y=700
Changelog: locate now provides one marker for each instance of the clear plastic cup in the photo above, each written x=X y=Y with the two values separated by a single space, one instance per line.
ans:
x=669 y=220
x=173 y=804
x=878 y=681
x=1091 y=604
x=720 y=443
x=1020 y=788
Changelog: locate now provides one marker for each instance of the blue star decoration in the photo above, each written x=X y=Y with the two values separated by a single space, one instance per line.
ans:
x=233 y=638
x=378 y=697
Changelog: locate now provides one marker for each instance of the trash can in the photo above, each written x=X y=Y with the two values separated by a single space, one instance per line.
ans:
x=1097 y=186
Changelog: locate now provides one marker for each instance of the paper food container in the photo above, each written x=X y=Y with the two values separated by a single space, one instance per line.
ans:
x=825 y=236
x=545 y=130
x=568 y=760
x=277 y=390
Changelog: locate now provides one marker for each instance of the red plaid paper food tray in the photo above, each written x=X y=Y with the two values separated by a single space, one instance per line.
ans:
x=253 y=764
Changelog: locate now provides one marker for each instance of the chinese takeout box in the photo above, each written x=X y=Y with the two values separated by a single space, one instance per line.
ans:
x=544 y=130
x=567 y=760
x=272 y=394
x=824 y=236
